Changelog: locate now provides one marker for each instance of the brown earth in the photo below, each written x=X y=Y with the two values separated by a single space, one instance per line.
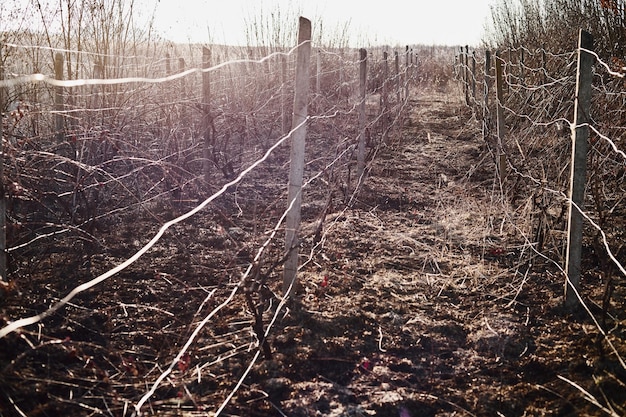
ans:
x=420 y=299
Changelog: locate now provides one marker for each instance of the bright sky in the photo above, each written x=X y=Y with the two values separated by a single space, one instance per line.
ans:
x=392 y=22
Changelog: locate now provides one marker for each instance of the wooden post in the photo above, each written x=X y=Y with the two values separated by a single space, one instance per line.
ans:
x=385 y=99
x=474 y=75
x=3 y=202
x=397 y=59
x=58 y=98
x=487 y=84
x=407 y=56
x=360 y=153
x=580 y=135
x=298 y=138
x=466 y=74
x=407 y=76
x=501 y=127
x=207 y=128
x=283 y=103
x=460 y=71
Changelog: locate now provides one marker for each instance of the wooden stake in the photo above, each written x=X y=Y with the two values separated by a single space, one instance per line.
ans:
x=487 y=84
x=501 y=127
x=360 y=155
x=207 y=128
x=58 y=98
x=474 y=75
x=407 y=76
x=466 y=73
x=298 y=138
x=284 y=114
x=397 y=62
x=385 y=99
x=3 y=203
x=580 y=135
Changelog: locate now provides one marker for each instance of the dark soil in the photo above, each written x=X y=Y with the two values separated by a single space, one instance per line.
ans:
x=421 y=298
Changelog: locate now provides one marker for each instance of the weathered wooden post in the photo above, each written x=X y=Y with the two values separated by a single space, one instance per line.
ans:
x=3 y=202
x=501 y=127
x=397 y=62
x=474 y=75
x=580 y=135
x=407 y=76
x=466 y=74
x=58 y=98
x=283 y=102
x=487 y=84
x=385 y=99
x=360 y=153
x=298 y=139
x=207 y=128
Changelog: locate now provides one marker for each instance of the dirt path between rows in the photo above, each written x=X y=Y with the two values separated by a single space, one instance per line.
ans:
x=431 y=308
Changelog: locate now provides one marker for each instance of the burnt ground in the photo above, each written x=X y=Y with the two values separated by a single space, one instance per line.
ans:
x=422 y=298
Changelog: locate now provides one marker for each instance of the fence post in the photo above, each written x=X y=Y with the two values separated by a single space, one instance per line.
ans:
x=474 y=75
x=385 y=99
x=284 y=114
x=296 y=169
x=397 y=62
x=580 y=134
x=487 y=84
x=407 y=75
x=360 y=154
x=206 y=113
x=466 y=73
x=501 y=127
x=3 y=203
x=58 y=98
x=459 y=58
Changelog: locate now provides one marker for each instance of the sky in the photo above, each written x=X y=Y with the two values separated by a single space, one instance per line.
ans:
x=385 y=22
